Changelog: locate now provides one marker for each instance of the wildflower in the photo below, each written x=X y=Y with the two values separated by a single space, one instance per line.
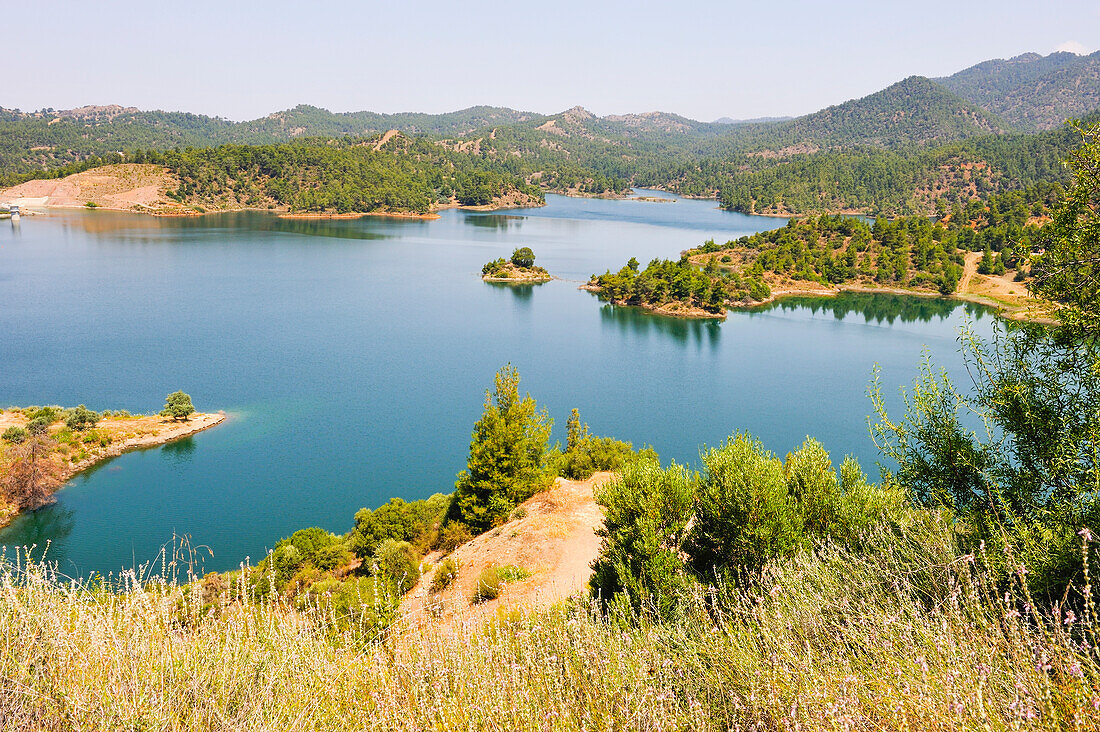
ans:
x=1075 y=670
x=774 y=592
x=1070 y=618
x=1085 y=534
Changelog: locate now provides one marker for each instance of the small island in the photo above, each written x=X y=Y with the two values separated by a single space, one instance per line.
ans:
x=41 y=448
x=520 y=268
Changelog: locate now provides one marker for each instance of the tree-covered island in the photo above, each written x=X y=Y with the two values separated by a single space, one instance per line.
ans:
x=519 y=268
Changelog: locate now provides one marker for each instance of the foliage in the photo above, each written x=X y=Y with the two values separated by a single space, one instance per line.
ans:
x=508 y=456
x=586 y=454
x=1028 y=482
x=491 y=581
x=38 y=426
x=1069 y=270
x=523 y=257
x=413 y=522
x=495 y=268
x=177 y=405
x=80 y=418
x=665 y=282
x=396 y=562
x=444 y=575
x=14 y=435
x=646 y=513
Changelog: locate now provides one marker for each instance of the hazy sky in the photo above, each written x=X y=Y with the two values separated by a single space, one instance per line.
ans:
x=702 y=59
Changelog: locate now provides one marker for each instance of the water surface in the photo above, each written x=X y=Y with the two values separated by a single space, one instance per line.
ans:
x=353 y=356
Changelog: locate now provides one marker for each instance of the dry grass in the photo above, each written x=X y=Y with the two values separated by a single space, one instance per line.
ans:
x=833 y=641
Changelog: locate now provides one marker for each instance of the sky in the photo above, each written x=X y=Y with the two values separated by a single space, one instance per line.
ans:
x=704 y=60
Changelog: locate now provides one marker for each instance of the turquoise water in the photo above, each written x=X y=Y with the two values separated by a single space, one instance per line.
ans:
x=353 y=356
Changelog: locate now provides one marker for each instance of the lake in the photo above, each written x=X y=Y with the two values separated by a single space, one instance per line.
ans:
x=353 y=356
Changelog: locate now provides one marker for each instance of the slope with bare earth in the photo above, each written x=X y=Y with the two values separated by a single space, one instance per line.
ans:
x=124 y=187
x=552 y=536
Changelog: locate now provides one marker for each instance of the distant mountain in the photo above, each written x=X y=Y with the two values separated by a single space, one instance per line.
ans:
x=1032 y=92
x=750 y=121
x=914 y=110
x=305 y=120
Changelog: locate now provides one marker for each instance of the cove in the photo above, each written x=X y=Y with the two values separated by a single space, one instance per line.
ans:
x=353 y=357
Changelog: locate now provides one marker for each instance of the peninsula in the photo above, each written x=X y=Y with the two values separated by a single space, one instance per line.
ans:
x=42 y=448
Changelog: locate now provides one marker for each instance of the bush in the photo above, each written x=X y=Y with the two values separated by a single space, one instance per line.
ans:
x=646 y=512
x=492 y=579
x=494 y=268
x=81 y=418
x=585 y=454
x=413 y=521
x=49 y=414
x=14 y=435
x=444 y=575
x=452 y=536
x=38 y=426
x=396 y=563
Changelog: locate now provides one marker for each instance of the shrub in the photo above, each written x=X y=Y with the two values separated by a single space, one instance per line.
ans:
x=492 y=579
x=396 y=563
x=646 y=511
x=493 y=268
x=14 y=435
x=412 y=521
x=49 y=414
x=585 y=454
x=452 y=535
x=444 y=575
x=81 y=418
x=38 y=426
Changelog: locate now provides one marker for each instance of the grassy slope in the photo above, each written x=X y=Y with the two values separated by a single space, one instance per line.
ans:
x=828 y=642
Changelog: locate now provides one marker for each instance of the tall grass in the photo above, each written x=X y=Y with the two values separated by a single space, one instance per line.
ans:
x=905 y=634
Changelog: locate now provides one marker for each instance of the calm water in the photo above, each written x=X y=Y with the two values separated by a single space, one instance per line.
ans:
x=353 y=357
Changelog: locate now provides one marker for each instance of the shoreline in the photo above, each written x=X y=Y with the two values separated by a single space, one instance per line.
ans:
x=162 y=430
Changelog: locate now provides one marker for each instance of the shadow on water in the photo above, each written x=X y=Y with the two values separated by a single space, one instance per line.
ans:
x=495 y=221
x=639 y=322
x=879 y=307
x=53 y=524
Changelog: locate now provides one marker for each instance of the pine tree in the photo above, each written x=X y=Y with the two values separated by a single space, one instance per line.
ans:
x=508 y=456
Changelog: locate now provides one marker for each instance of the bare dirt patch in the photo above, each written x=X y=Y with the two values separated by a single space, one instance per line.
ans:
x=126 y=187
x=555 y=540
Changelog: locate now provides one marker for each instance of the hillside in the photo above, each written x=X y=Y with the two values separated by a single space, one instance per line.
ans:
x=1032 y=92
x=914 y=110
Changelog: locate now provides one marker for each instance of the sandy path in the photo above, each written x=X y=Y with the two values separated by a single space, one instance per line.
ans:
x=556 y=541
x=970 y=268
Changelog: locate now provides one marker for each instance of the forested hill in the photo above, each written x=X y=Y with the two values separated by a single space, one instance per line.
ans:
x=1032 y=92
x=906 y=149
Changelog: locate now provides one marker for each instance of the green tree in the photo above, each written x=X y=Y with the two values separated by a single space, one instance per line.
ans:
x=1068 y=272
x=178 y=406
x=508 y=456
x=523 y=257
x=646 y=511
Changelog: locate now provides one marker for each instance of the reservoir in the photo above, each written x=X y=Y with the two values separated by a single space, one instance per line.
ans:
x=352 y=357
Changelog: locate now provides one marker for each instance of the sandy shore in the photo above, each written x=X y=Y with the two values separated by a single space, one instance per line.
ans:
x=122 y=433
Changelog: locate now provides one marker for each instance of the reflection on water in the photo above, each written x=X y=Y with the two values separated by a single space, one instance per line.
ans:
x=880 y=307
x=680 y=330
x=179 y=451
x=520 y=292
x=46 y=529
x=151 y=228
x=495 y=221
